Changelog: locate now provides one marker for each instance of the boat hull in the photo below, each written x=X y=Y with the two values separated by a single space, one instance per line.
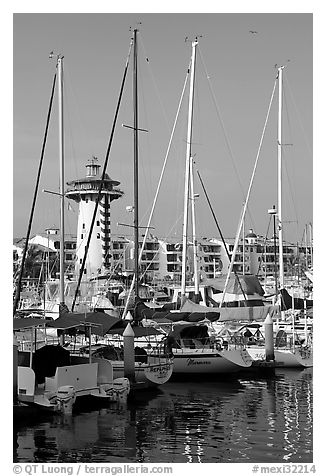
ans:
x=156 y=371
x=284 y=357
x=190 y=361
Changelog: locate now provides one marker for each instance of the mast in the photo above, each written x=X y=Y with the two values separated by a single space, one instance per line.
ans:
x=235 y=247
x=279 y=181
x=243 y=246
x=19 y=280
x=136 y=220
x=310 y=242
x=275 y=254
x=188 y=159
x=306 y=246
x=62 y=178
x=194 y=239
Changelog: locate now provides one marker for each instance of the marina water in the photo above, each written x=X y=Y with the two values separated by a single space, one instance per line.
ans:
x=244 y=420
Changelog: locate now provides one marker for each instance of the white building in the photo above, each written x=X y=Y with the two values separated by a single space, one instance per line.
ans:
x=85 y=191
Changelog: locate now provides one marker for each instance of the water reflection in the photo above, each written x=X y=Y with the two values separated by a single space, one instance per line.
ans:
x=245 y=420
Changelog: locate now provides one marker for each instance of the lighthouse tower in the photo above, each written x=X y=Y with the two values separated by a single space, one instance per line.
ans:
x=84 y=191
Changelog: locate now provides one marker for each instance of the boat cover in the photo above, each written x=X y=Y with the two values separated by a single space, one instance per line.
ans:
x=287 y=301
x=188 y=331
x=47 y=359
x=100 y=321
x=27 y=322
x=139 y=331
x=242 y=313
x=250 y=284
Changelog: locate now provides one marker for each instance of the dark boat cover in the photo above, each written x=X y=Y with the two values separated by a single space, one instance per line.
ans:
x=287 y=301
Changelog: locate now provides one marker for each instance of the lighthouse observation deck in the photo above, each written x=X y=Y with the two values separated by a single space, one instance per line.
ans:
x=91 y=184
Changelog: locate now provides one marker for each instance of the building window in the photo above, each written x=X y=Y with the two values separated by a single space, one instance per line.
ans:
x=80 y=261
x=98 y=223
x=81 y=236
x=98 y=236
x=83 y=226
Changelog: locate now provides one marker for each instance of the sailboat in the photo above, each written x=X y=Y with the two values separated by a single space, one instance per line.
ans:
x=49 y=380
x=193 y=345
x=289 y=350
x=151 y=369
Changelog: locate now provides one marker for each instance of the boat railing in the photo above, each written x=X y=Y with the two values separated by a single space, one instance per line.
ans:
x=208 y=343
x=26 y=345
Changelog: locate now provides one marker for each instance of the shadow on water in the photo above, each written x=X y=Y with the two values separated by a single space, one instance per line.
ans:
x=248 y=419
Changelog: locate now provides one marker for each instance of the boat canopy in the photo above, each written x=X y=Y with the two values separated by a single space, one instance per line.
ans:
x=28 y=322
x=139 y=331
x=250 y=313
x=189 y=331
x=100 y=322
x=287 y=302
x=193 y=314
x=254 y=313
x=249 y=283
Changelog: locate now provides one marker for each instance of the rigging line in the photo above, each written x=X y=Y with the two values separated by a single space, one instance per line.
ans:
x=159 y=182
x=297 y=113
x=18 y=286
x=145 y=151
x=80 y=121
x=154 y=82
x=81 y=271
x=291 y=191
x=286 y=161
x=249 y=190
x=223 y=129
x=67 y=96
x=222 y=237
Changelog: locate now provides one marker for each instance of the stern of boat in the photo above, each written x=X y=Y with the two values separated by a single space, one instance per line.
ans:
x=239 y=357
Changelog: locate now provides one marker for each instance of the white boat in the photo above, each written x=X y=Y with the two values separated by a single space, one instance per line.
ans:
x=49 y=380
x=287 y=358
x=156 y=371
x=289 y=349
x=152 y=366
x=150 y=369
x=208 y=361
x=197 y=353
x=201 y=354
x=56 y=385
x=72 y=385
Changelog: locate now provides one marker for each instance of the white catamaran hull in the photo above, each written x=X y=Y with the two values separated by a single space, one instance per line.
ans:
x=70 y=384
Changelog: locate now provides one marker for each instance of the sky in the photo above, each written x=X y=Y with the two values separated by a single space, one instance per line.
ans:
x=235 y=76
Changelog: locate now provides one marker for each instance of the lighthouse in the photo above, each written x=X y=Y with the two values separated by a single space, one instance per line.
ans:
x=85 y=191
